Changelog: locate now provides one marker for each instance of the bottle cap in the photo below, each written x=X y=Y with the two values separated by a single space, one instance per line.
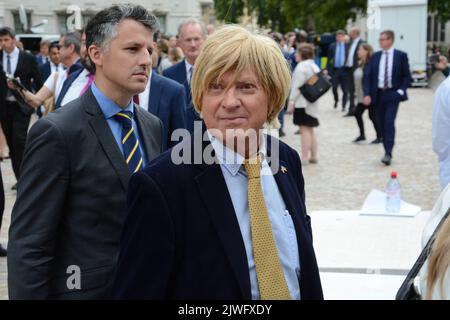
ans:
x=394 y=174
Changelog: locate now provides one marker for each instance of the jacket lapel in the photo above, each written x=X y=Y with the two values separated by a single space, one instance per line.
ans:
x=19 y=64
x=145 y=134
x=100 y=126
x=210 y=182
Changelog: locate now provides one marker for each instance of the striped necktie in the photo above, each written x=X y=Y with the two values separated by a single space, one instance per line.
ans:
x=129 y=141
x=269 y=271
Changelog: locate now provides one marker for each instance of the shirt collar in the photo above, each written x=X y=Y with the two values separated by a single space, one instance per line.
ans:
x=188 y=66
x=232 y=161
x=109 y=107
x=13 y=54
x=390 y=51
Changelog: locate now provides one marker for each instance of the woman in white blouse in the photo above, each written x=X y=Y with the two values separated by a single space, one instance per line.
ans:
x=305 y=112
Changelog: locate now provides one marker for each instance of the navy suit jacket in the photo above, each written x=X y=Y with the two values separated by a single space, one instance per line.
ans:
x=177 y=72
x=74 y=72
x=167 y=101
x=182 y=240
x=45 y=71
x=401 y=75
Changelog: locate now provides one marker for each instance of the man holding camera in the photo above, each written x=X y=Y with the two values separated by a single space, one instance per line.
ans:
x=15 y=116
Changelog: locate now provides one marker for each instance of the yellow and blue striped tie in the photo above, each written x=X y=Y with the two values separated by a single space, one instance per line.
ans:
x=129 y=141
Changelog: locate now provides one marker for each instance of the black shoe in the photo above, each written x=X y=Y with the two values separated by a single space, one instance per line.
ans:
x=14 y=187
x=387 y=159
x=2 y=251
x=281 y=133
x=335 y=104
x=349 y=114
x=377 y=140
x=359 y=139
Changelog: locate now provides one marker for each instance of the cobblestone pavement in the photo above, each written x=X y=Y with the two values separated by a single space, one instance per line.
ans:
x=346 y=172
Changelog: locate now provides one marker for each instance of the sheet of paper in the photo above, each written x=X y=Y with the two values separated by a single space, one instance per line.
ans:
x=375 y=205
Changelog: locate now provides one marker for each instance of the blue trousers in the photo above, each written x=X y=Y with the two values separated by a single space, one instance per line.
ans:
x=386 y=110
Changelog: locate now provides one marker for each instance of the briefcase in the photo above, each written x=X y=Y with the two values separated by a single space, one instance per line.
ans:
x=315 y=87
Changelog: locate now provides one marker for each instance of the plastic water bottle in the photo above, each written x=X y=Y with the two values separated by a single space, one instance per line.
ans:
x=393 y=194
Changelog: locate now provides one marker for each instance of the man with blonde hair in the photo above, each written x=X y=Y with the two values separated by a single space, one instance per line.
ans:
x=228 y=221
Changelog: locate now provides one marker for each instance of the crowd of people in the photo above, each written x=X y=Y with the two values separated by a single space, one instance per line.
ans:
x=98 y=187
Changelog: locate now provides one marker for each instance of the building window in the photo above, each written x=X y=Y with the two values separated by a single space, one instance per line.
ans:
x=18 y=26
x=442 y=32
x=162 y=22
x=436 y=30
x=429 y=28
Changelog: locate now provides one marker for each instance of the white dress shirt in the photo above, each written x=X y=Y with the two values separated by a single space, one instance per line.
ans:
x=144 y=96
x=352 y=52
x=441 y=130
x=14 y=60
x=390 y=54
x=49 y=83
x=76 y=87
x=282 y=225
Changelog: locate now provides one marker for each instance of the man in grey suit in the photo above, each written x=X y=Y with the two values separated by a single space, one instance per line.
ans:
x=71 y=201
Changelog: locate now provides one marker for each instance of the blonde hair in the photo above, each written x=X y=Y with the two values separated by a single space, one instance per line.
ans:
x=439 y=260
x=234 y=48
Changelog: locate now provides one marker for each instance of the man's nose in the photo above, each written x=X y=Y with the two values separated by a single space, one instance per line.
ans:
x=145 y=58
x=230 y=99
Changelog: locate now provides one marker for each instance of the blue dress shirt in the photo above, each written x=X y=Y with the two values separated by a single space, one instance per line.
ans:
x=280 y=219
x=110 y=109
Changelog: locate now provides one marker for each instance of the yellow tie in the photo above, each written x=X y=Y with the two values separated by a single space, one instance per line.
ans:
x=271 y=281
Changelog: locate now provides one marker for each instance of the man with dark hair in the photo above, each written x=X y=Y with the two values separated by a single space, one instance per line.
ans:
x=53 y=65
x=386 y=79
x=71 y=203
x=337 y=58
x=15 y=117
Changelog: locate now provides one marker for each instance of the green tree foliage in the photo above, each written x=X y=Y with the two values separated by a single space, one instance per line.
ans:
x=441 y=7
x=285 y=15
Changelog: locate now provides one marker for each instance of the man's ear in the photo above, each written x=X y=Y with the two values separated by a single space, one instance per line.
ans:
x=95 y=55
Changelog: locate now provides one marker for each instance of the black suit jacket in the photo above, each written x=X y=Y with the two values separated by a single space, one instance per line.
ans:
x=27 y=71
x=71 y=202
x=355 y=55
x=182 y=239
x=45 y=70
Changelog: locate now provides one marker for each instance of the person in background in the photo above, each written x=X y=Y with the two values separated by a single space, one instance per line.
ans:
x=337 y=58
x=386 y=81
x=15 y=117
x=191 y=35
x=43 y=56
x=210 y=28
x=365 y=52
x=305 y=112
x=351 y=64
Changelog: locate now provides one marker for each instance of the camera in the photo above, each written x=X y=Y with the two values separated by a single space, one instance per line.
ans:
x=16 y=82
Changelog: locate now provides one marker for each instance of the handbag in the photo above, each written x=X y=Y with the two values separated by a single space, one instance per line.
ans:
x=409 y=290
x=315 y=87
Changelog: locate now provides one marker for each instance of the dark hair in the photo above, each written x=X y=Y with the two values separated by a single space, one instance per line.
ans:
x=369 y=50
x=72 y=38
x=53 y=45
x=390 y=34
x=102 y=28
x=6 y=31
